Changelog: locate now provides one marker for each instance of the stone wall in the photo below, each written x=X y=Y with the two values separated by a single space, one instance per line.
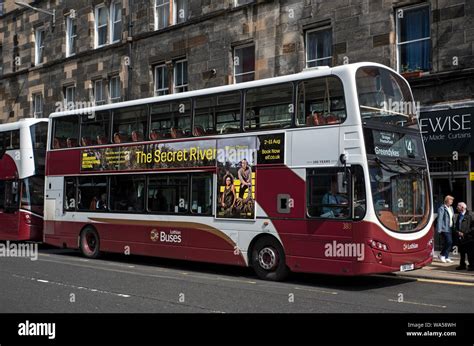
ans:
x=362 y=30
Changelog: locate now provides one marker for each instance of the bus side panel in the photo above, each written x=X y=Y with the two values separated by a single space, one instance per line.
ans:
x=10 y=223
x=417 y=251
x=63 y=162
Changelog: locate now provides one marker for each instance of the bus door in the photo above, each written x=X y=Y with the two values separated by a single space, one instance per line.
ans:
x=9 y=205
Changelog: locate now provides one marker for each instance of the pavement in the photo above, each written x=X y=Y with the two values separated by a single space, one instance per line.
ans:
x=438 y=270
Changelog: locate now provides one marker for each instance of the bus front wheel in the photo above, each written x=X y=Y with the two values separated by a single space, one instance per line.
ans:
x=89 y=243
x=268 y=259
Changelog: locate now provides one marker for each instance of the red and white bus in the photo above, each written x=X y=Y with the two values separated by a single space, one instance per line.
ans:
x=322 y=171
x=22 y=167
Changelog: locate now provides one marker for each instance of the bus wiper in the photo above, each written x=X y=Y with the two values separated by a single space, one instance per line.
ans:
x=403 y=164
x=385 y=166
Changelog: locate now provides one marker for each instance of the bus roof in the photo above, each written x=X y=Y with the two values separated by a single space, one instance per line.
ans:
x=307 y=73
x=21 y=123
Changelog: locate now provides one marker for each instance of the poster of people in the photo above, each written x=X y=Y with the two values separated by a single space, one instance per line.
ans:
x=236 y=160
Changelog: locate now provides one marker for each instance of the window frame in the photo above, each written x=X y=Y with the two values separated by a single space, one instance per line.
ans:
x=297 y=101
x=185 y=86
x=40 y=34
x=119 y=85
x=34 y=96
x=103 y=99
x=176 y=10
x=320 y=30
x=330 y=171
x=97 y=27
x=66 y=102
x=114 y=22
x=158 y=91
x=70 y=23
x=156 y=17
x=235 y=75
x=398 y=26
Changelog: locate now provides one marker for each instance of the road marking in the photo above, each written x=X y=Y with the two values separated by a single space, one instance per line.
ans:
x=445 y=282
x=94 y=290
x=458 y=283
x=317 y=291
x=416 y=303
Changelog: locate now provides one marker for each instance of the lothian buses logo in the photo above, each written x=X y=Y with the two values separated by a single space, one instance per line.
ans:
x=154 y=235
x=172 y=236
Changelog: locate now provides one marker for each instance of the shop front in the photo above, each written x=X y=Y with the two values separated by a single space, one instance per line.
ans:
x=447 y=134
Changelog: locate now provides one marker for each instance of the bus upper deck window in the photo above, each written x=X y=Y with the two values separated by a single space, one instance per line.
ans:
x=171 y=120
x=269 y=107
x=321 y=102
x=130 y=124
x=66 y=132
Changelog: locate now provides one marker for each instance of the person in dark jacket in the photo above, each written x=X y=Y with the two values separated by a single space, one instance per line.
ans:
x=463 y=231
x=444 y=227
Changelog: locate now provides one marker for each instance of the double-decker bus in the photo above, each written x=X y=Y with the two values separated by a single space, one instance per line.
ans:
x=22 y=167
x=323 y=171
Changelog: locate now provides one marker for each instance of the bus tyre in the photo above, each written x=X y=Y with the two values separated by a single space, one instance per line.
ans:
x=268 y=259
x=89 y=243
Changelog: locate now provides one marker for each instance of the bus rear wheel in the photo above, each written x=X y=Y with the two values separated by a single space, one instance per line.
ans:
x=268 y=259
x=89 y=243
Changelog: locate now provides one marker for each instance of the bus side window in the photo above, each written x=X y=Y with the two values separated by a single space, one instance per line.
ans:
x=92 y=194
x=95 y=127
x=360 y=201
x=201 y=194
x=130 y=123
x=66 y=132
x=70 y=194
x=2 y=194
x=269 y=107
x=127 y=193
x=171 y=120
x=217 y=114
x=320 y=102
x=168 y=193
x=328 y=196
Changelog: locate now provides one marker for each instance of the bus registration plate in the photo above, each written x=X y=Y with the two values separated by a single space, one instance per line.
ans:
x=407 y=267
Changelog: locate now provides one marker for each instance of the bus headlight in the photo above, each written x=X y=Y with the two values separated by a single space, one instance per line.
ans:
x=375 y=244
x=27 y=218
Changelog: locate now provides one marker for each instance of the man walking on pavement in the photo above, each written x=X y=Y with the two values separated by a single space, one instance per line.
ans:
x=463 y=231
x=444 y=226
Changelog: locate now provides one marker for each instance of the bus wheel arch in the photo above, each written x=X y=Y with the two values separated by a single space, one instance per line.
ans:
x=266 y=256
x=89 y=242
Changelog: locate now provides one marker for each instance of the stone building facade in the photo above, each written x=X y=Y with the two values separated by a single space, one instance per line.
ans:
x=105 y=51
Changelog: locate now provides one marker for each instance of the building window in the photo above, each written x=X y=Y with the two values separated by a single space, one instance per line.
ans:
x=116 y=21
x=180 y=11
x=242 y=2
x=318 y=48
x=100 y=26
x=37 y=105
x=413 y=39
x=162 y=14
x=244 y=63
x=71 y=36
x=99 y=94
x=1 y=60
x=70 y=97
x=39 y=46
x=114 y=89
x=181 y=76
x=161 y=80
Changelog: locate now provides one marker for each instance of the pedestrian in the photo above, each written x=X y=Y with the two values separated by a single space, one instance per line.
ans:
x=463 y=231
x=444 y=226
